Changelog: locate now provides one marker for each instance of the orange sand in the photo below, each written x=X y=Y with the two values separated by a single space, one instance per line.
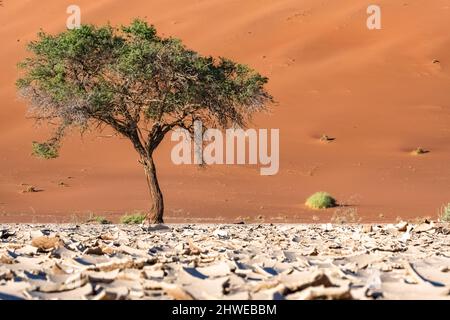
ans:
x=377 y=92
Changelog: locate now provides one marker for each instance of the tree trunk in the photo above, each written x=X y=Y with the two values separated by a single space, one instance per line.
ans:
x=157 y=209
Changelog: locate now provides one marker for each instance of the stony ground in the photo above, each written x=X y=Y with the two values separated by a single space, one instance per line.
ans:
x=225 y=261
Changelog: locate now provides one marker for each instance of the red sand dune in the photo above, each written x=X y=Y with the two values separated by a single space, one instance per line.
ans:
x=377 y=92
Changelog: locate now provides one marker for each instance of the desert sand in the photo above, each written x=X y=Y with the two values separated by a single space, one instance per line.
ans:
x=239 y=262
x=379 y=93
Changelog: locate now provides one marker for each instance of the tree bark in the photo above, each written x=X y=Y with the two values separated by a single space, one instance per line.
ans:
x=157 y=208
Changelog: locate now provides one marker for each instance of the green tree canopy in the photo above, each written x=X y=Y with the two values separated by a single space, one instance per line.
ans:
x=136 y=82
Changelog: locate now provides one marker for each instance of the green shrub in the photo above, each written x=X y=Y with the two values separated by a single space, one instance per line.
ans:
x=44 y=150
x=320 y=200
x=444 y=214
x=136 y=218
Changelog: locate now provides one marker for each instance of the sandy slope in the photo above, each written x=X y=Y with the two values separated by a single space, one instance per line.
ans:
x=377 y=92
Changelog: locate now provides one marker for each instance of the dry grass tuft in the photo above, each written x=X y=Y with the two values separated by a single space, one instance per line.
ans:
x=325 y=138
x=444 y=214
x=345 y=215
x=30 y=189
x=419 y=151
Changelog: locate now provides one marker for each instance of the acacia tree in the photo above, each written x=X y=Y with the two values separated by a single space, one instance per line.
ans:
x=136 y=82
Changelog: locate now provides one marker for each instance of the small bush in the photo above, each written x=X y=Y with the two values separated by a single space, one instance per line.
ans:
x=320 y=200
x=44 y=150
x=136 y=218
x=444 y=214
